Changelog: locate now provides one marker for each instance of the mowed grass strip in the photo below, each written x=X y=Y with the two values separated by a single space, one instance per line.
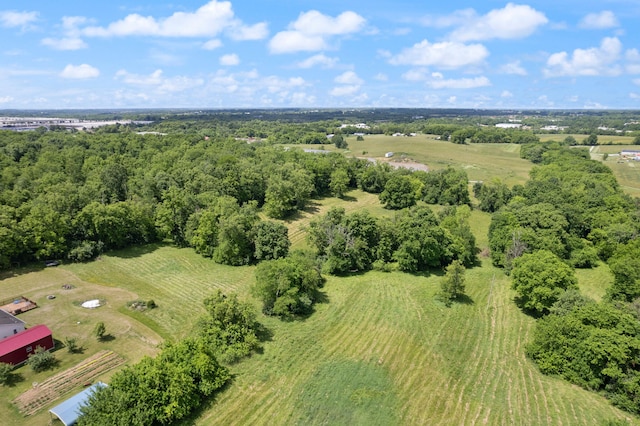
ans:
x=178 y=280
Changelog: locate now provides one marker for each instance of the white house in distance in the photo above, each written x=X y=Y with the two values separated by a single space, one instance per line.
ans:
x=509 y=125
x=9 y=325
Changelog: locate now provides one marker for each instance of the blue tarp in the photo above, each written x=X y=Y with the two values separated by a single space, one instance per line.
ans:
x=69 y=411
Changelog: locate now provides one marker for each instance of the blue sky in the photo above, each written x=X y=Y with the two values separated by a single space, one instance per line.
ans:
x=330 y=53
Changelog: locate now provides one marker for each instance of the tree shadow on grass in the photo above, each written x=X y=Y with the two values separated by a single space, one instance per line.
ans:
x=530 y=312
x=107 y=338
x=207 y=404
x=264 y=334
x=464 y=300
x=136 y=251
x=12 y=380
x=348 y=198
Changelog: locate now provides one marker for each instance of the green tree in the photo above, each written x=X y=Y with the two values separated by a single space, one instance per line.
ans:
x=399 y=193
x=452 y=285
x=100 y=330
x=456 y=221
x=287 y=286
x=540 y=278
x=288 y=190
x=229 y=326
x=41 y=360
x=592 y=139
x=173 y=213
x=339 y=141
x=625 y=266
x=339 y=182
x=492 y=195
x=158 y=391
x=5 y=373
x=594 y=345
x=235 y=245
x=271 y=240
x=71 y=343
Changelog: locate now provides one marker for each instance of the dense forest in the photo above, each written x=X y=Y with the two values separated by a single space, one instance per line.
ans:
x=198 y=182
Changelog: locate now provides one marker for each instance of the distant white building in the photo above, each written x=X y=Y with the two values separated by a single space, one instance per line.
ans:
x=509 y=125
x=9 y=325
x=388 y=155
x=357 y=126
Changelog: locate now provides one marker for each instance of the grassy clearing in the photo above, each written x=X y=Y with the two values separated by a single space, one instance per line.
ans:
x=380 y=350
x=627 y=172
x=602 y=139
x=481 y=161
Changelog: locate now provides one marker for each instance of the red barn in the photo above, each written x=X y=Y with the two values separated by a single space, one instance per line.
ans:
x=17 y=348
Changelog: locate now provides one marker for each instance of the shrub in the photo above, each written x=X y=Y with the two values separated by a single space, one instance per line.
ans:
x=41 y=360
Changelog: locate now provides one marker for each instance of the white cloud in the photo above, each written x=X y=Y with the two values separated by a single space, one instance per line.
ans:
x=312 y=31
x=64 y=43
x=350 y=84
x=212 y=44
x=302 y=99
x=447 y=54
x=599 y=21
x=462 y=83
x=154 y=78
x=594 y=61
x=381 y=77
x=318 y=60
x=12 y=19
x=294 y=41
x=457 y=18
x=348 y=77
x=420 y=74
x=511 y=22
x=634 y=95
x=543 y=100
x=506 y=94
x=5 y=99
x=314 y=22
x=513 y=68
x=633 y=61
x=82 y=71
x=208 y=20
x=636 y=81
x=159 y=82
x=344 y=90
x=229 y=60
x=258 y=31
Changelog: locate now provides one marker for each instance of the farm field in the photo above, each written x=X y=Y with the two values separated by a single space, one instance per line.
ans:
x=480 y=161
x=380 y=350
x=602 y=139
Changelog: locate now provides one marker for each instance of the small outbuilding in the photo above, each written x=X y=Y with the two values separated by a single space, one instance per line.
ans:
x=17 y=348
x=9 y=325
x=69 y=411
x=388 y=155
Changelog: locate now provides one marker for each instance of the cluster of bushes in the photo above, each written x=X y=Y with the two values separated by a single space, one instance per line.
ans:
x=75 y=195
x=572 y=213
x=167 y=388
x=415 y=239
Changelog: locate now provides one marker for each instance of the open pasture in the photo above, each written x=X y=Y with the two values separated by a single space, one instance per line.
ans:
x=480 y=161
x=379 y=350
x=602 y=139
